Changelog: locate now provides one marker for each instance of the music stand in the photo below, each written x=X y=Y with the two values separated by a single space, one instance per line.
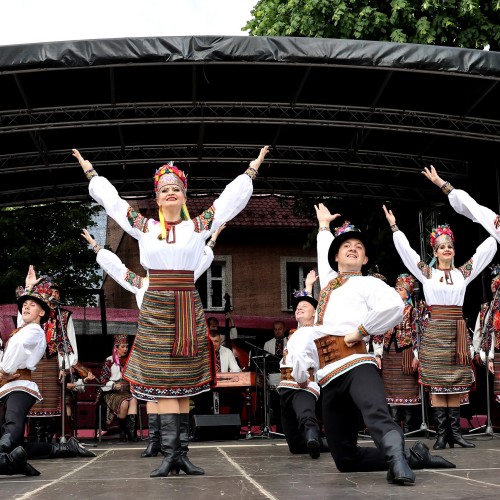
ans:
x=488 y=427
x=424 y=427
x=265 y=426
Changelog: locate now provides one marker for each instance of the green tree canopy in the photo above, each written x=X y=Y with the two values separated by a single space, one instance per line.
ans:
x=458 y=23
x=49 y=237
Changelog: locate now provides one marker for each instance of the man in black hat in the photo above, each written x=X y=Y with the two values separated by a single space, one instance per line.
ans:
x=351 y=306
x=298 y=401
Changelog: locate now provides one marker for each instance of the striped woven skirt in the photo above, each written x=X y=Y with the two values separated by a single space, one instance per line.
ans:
x=172 y=356
x=46 y=376
x=496 y=381
x=114 y=400
x=439 y=370
x=401 y=389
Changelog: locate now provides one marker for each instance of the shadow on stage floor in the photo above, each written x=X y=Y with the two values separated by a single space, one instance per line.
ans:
x=250 y=469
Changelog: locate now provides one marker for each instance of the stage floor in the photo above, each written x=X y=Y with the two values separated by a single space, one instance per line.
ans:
x=253 y=469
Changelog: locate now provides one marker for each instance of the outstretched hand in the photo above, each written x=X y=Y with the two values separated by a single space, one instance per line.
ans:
x=391 y=219
x=258 y=161
x=323 y=214
x=31 y=279
x=310 y=280
x=433 y=176
x=88 y=237
x=85 y=164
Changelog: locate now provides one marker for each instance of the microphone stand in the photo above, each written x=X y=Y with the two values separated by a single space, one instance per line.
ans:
x=265 y=427
x=488 y=427
x=63 y=367
x=424 y=427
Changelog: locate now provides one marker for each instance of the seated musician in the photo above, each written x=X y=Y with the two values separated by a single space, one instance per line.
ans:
x=224 y=362
x=298 y=401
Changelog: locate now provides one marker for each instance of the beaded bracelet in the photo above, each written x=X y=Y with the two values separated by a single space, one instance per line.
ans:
x=447 y=188
x=251 y=172
x=96 y=248
x=211 y=243
x=323 y=228
x=394 y=228
x=90 y=173
x=362 y=331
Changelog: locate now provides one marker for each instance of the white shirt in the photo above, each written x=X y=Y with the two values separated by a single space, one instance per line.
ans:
x=467 y=206
x=300 y=363
x=187 y=252
x=436 y=290
x=361 y=300
x=228 y=361
x=270 y=345
x=24 y=351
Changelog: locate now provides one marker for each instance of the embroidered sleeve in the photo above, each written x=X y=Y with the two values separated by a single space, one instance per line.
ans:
x=133 y=279
x=466 y=269
x=497 y=222
x=204 y=221
x=425 y=269
x=106 y=372
x=136 y=220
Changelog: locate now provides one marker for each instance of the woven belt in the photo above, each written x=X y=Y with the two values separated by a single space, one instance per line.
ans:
x=332 y=348
x=24 y=374
x=286 y=374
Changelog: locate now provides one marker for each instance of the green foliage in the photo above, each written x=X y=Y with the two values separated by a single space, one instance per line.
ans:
x=49 y=237
x=459 y=23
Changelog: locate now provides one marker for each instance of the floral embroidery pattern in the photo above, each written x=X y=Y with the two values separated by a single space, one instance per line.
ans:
x=137 y=220
x=133 y=279
x=497 y=222
x=204 y=221
x=425 y=269
x=466 y=269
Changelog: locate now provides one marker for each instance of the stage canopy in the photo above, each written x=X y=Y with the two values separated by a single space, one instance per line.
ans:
x=345 y=118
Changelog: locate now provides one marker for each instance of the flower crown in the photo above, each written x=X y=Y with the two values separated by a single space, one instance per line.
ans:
x=495 y=270
x=169 y=169
x=405 y=281
x=346 y=227
x=442 y=230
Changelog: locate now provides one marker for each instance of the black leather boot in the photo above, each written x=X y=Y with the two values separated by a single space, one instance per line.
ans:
x=122 y=427
x=170 y=444
x=72 y=448
x=15 y=463
x=456 y=434
x=324 y=445
x=154 y=436
x=419 y=457
x=407 y=412
x=313 y=442
x=131 y=430
x=395 y=412
x=6 y=444
x=393 y=447
x=441 y=418
x=184 y=463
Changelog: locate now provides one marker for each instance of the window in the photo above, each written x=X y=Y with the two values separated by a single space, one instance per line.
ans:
x=215 y=283
x=293 y=274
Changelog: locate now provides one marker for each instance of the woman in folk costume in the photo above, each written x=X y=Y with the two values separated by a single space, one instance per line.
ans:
x=171 y=358
x=445 y=364
x=138 y=285
x=116 y=391
x=489 y=341
x=398 y=361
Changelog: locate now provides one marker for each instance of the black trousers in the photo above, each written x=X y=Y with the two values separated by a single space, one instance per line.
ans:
x=361 y=388
x=298 y=414
x=16 y=406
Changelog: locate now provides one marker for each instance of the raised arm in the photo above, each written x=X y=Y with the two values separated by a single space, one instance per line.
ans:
x=324 y=240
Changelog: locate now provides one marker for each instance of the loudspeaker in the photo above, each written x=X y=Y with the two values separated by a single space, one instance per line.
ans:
x=216 y=427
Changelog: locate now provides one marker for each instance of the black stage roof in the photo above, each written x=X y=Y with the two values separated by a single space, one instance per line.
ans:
x=345 y=118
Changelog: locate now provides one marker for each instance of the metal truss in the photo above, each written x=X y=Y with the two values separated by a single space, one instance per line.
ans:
x=39 y=120
x=236 y=153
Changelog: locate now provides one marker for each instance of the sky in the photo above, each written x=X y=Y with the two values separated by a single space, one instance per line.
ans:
x=33 y=21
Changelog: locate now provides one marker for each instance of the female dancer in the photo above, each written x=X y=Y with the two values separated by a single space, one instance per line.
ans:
x=398 y=362
x=444 y=358
x=171 y=358
x=138 y=285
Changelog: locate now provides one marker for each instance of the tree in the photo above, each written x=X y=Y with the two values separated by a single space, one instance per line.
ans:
x=49 y=237
x=459 y=23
